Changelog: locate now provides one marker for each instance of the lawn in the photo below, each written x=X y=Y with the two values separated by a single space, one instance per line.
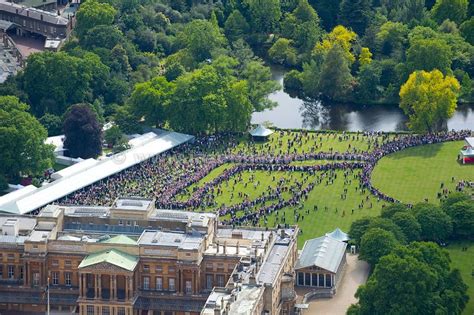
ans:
x=464 y=261
x=297 y=142
x=417 y=173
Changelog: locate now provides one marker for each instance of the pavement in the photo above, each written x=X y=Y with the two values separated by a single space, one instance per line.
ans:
x=355 y=274
x=28 y=45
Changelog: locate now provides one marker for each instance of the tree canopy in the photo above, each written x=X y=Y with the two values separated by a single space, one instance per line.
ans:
x=429 y=98
x=22 y=137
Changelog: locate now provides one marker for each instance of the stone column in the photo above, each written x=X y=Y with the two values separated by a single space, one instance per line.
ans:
x=100 y=286
x=80 y=286
x=111 y=290
x=194 y=283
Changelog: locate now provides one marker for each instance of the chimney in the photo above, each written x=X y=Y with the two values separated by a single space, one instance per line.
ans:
x=217 y=243
x=282 y=235
x=225 y=247
x=41 y=17
x=237 y=248
x=262 y=236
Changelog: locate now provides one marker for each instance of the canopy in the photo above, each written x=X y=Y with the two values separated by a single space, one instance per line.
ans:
x=339 y=235
x=261 y=131
x=324 y=252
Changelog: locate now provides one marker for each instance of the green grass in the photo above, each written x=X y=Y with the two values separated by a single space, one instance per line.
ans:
x=417 y=173
x=279 y=142
x=464 y=261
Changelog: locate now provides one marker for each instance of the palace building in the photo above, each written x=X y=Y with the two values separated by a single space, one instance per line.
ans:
x=134 y=259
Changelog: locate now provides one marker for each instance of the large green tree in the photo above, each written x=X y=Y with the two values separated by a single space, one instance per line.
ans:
x=435 y=224
x=412 y=280
x=454 y=10
x=429 y=54
x=429 y=99
x=201 y=38
x=83 y=132
x=376 y=243
x=462 y=216
x=93 y=13
x=150 y=99
x=265 y=15
x=355 y=14
x=22 y=147
x=335 y=81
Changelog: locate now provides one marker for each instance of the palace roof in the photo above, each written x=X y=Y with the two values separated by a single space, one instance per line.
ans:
x=324 y=252
x=111 y=256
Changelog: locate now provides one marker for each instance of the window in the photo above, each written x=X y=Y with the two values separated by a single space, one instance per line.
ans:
x=11 y=272
x=159 y=269
x=307 y=279
x=55 y=263
x=120 y=222
x=129 y=223
x=90 y=310
x=220 y=281
x=220 y=266
x=314 y=279
x=171 y=286
x=1 y=271
x=55 y=278
x=209 y=266
x=321 y=280
x=105 y=310
x=135 y=223
x=21 y=273
x=146 y=283
x=209 y=282
x=121 y=311
x=36 y=278
x=300 y=278
x=159 y=283
x=146 y=268
x=67 y=278
x=11 y=257
x=328 y=281
x=189 y=287
x=171 y=269
x=67 y=264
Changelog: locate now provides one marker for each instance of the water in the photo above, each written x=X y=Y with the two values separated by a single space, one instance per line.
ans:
x=293 y=112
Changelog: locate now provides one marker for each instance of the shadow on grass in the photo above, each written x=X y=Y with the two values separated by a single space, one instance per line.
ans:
x=426 y=151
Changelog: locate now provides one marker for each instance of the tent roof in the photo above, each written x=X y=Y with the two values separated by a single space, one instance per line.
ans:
x=470 y=141
x=339 y=235
x=111 y=256
x=261 y=131
x=155 y=144
x=324 y=252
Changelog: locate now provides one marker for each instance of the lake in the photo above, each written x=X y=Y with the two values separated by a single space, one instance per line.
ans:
x=293 y=112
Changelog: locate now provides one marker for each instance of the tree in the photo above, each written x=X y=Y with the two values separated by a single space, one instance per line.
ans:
x=150 y=99
x=49 y=91
x=339 y=36
x=260 y=84
x=365 y=57
x=201 y=37
x=368 y=79
x=328 y=11
x=265 y=14
x=408 y=224
x=467 y=30
x=376 y=243
x=429 y=98
x=113 y=135
x=335 y=80
x=391 y=39
x=3 y=183
x=22 y=148
x=282 y=52
x=52 y=123
x=462 y=216
x=435 y=224
x=358 y=229
x=428 y=55
x=93 y=13
x=102 y=36
x=454 y=10
x=452 y=199
x=83 y=132
x=239 y=107
x=355 y=14
x=412 y=280
x=389 y=211
x=236 y=26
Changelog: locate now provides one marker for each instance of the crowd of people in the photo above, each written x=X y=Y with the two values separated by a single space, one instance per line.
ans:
x=180 y=171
